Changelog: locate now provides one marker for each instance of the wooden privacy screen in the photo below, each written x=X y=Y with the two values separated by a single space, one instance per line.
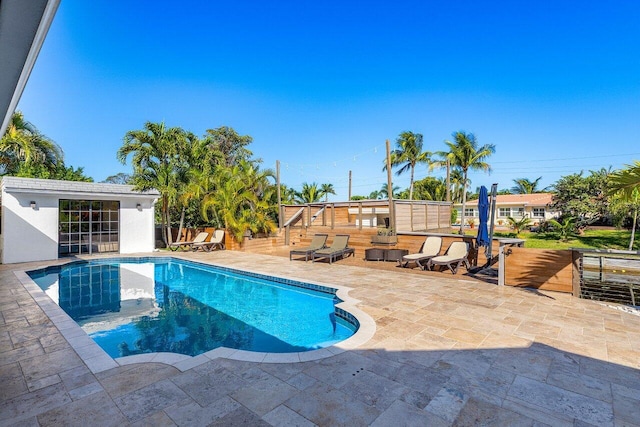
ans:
x=546 y=269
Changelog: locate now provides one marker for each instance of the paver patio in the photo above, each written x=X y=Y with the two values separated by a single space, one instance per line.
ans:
x=448 y=350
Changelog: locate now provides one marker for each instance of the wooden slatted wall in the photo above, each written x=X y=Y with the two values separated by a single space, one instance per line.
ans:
x=539 y=268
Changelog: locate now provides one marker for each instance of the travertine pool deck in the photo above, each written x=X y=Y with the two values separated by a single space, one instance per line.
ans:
x=447 y=350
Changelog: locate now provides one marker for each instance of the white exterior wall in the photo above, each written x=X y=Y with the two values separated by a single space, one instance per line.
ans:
x=137 y=232
x=29 y=234
x=32 y=234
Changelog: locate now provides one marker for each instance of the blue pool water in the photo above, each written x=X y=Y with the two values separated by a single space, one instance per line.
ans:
x=141 y=305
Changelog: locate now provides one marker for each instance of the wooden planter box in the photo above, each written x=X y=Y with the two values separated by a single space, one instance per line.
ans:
x=384 y=240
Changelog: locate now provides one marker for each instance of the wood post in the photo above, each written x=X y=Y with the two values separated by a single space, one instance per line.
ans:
x=501 y=266
x=392 y=214
x=576 y=260
x=333 y=215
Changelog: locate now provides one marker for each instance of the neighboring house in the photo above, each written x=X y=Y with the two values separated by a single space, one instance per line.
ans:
x=43 y=219
x=535 y=206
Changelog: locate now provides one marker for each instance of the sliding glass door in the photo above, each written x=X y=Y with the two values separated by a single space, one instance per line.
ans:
x=88 y=226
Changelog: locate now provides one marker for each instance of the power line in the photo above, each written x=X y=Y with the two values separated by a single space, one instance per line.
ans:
x=566 y=158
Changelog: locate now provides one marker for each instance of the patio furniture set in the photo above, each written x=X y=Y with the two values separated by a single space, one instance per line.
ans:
x=216 y=241
x=426 y=259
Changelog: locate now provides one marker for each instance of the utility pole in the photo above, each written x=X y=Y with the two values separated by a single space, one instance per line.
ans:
x=279 y=196
x=349 y=185
x=392 y=211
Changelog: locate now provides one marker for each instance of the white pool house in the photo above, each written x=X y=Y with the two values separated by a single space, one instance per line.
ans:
x=43 y=219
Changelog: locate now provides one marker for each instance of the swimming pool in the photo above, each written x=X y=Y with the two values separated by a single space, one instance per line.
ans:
x=140 y=305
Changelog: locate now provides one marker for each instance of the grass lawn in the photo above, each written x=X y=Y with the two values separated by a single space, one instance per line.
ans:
x=593 y=238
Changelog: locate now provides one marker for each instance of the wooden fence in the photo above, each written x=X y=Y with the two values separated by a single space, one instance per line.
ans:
x=546 y=269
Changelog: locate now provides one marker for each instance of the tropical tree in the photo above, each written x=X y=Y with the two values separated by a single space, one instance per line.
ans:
x=59 y=171
x=119 y=178
x=160 y=161
x=384 y=191
x=624 y=187
x=310 y=193
x=430 y=188
x=228 y=142
x=327 y=189
x=22 y=144
x=374 y=195
x=240 y=197
x=459 y=185
x=517 y=225
x=526 y=186
x=287 y=195
x=584 y=198
x=407 y=155
x=564 y=228
x=464 y=154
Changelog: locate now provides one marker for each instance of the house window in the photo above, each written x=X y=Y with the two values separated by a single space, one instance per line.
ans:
x=517 y=212
x=538 y=212
x=504 y=212
x=469 y=212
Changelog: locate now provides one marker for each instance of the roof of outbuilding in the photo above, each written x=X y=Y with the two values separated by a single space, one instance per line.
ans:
x=36 y=185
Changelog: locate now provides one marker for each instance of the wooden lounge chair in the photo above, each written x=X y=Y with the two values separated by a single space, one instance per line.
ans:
x=216 y=240
x=430 y=248
x=201 y=237
x=318 y=242
x=455 y=256
x=337 y=249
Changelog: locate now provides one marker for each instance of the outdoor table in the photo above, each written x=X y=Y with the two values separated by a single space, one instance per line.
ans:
x=383 y=254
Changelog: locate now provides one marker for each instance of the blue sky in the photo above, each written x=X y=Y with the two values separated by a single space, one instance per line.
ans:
x=321 y=85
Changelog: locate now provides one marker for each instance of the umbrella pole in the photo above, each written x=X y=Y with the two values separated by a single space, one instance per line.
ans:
x=494 y=192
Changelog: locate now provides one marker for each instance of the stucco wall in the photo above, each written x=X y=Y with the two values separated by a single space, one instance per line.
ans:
x=29 y=234
x=136 y=226
x=32 y=234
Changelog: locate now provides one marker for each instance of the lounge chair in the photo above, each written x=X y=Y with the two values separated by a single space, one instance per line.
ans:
x=337 y=249
x=216 y=240
x=430 y=248
x=455 y=256
x=201 y=237
x=318 y=242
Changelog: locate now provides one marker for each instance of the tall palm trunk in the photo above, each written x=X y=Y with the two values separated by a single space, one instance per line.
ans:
x=464 y=201
x=633 y=228
x=181 y=224
x=411 y=187
x=166 y=223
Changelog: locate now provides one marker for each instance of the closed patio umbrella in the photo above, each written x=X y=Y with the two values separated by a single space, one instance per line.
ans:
x=483 y=213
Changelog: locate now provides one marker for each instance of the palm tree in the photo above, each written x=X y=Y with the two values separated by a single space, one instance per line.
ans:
x=327 y=189
x=525 y=186
x=518 y=224
x=408 y=154
x=287 y=195
x=240 y=197
x=464 y=155
x=564 y=229
x=160 y=161
x=310 y=193
x=22 y=144
x=431 y=188
x=375 y=195
x=625 y=186
x=384 y=191
x=459 y=186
